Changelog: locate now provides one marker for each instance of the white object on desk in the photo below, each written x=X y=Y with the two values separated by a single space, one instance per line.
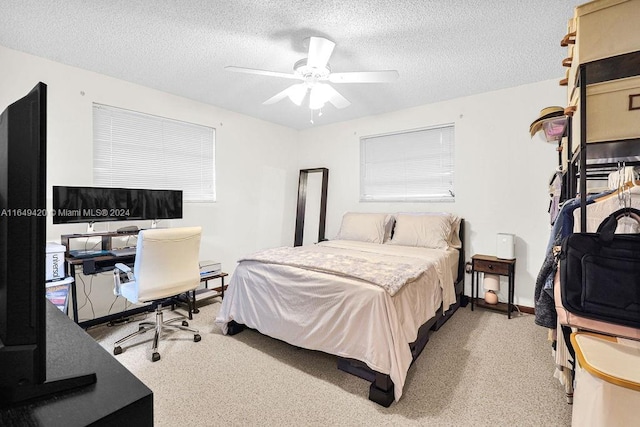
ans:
x=123 y=251
x=209 y=268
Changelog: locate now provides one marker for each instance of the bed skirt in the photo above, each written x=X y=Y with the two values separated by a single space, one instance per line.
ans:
x=381 y=389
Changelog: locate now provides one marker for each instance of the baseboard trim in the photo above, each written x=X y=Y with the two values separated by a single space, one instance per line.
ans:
x=525 y=309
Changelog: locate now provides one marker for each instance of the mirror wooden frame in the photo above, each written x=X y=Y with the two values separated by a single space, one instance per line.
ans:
x=302 y=201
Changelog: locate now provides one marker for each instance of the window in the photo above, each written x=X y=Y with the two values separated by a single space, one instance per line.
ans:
x=137 y=150
x=410 y=166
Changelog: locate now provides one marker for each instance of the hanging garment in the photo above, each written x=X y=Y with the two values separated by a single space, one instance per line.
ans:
x=602 y=208
x=545 y=312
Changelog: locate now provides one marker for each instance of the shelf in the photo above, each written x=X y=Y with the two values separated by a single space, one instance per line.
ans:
x=610 y=152
x=611 y=68
x=104 y=236
x=206 y=293
x=500 y=306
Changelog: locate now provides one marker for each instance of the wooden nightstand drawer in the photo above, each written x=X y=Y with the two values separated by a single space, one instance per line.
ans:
x=491 y=267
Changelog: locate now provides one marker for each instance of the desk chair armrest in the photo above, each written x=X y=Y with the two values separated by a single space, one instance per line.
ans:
x=125 y=269
x=120 y=268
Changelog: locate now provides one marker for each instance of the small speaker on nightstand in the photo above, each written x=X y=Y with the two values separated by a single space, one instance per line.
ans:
x=505 y=246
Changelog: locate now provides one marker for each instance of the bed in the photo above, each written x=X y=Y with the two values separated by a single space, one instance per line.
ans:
x=372 y=296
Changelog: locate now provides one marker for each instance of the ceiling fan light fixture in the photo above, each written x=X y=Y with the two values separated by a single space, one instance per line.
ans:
x=319 y=96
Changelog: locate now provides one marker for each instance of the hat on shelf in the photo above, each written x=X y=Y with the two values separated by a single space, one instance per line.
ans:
x=545 y=113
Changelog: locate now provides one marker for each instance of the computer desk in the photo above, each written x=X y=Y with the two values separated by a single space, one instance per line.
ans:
x=99 y=264
x=116 y=398
x=95 y=265
x=104 y=263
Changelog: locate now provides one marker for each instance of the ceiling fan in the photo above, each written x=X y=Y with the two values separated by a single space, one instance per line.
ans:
x=315 y=72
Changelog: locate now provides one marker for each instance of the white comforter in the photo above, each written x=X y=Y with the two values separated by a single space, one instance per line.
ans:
x=341 y=315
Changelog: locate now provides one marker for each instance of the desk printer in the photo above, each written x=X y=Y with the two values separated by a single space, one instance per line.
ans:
x=209 y=268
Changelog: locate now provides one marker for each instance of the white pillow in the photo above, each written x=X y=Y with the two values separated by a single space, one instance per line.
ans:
x=454 y=238
x=365 y=227
x=424 y=230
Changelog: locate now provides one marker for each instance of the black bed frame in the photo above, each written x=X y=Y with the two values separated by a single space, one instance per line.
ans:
x=381 y=389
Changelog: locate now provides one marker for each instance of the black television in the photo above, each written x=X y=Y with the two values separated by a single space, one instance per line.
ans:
x=96 y=204
x=23 y=172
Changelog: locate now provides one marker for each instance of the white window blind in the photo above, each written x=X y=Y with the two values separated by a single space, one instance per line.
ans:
x=410 y=166
x=137 y=150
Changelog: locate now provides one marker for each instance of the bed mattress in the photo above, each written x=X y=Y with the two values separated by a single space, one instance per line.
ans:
x=342 y=315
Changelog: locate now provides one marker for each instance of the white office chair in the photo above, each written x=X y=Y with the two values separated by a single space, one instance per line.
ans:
x=166 y=266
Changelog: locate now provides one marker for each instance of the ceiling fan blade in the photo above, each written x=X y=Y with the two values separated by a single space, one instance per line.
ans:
x=322 y=93
x=277 y=97
x=263 y=72
x=320 y=49
x=336 y=99
x=364 y=77
x=296 y=94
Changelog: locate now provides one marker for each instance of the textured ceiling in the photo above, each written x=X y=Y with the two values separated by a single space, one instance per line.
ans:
x=443 y=49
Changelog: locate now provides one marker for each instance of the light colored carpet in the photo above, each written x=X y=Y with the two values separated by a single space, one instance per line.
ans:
x=479 y=369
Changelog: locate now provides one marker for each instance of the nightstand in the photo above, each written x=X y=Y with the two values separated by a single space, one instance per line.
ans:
x=492 y=265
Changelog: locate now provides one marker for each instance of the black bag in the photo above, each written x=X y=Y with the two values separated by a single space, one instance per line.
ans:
x=600 y=273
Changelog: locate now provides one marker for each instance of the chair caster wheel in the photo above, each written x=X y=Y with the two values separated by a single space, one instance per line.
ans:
x=117 y=350
x=196 y=337
x=155 y=357
x=185 y=323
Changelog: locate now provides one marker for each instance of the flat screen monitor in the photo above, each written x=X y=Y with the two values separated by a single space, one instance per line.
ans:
x=97 y=204
x=23 y=233
x=23 y=172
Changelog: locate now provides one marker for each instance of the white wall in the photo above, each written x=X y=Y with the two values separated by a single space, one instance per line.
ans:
x=256 y=161
x=502 y=174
